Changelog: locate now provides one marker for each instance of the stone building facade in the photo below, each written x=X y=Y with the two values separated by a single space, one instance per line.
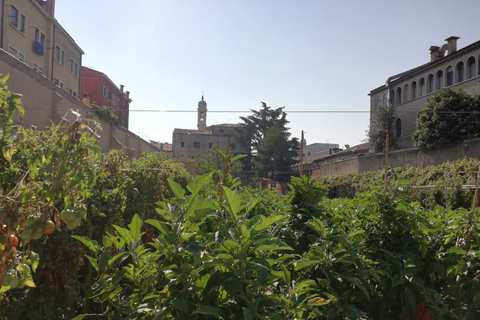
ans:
x=188 y=142
x=408 y=91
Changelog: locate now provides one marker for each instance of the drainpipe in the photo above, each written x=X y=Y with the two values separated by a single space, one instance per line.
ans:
x=2 y=23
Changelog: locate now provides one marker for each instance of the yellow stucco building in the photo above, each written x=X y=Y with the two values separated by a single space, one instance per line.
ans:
x=30 y=32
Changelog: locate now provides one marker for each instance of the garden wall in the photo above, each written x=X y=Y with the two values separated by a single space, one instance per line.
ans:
x=414 y=157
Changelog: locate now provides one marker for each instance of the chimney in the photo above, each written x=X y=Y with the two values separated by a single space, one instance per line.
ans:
x=121 y=87
x=434 y=53
x=452 y=44
x=48 y=6
x=128 y=94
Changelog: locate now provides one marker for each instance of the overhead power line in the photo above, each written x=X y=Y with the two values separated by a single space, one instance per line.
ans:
x=216 y=111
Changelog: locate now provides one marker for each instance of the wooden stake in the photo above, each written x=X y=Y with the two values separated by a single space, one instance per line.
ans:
x=224 y=169
x=386 y=169
x=216 y=163
x=301 y=155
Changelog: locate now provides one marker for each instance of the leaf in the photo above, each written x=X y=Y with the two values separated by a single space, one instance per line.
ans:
x=355 y=233
x=318 y=301
x=181 y=304
x=9 y=153
x=124 y=233
x=94 y=264
x=177 y=189
x=122 y=256
x=456 y=250
x=247 y=314
x=80 y=317
x=234 y=204
x=161 y=226
x=91 y=244
x=234 y=285
x=204 y=309
x=103 y=261
x=135 y=227
x=267 y=221
x=199 y=183
x=34 y=260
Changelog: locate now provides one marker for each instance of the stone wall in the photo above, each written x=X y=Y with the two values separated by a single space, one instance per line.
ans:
x=44 y=103
x=414 y=157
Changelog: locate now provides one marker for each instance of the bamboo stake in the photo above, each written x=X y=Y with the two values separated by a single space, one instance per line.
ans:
x=301 y=155
x=216 y=163
x=224 y=169
x=386 y=168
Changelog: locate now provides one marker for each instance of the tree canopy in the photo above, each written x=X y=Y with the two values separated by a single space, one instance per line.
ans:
x=449 y=116
x=383 y=122
x=272 y=149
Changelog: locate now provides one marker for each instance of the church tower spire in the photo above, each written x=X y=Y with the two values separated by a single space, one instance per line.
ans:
x=202 y=115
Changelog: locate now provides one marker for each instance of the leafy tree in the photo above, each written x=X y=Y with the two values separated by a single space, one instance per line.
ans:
x=276 y=154
x=383 y=122
x=448 y=118
x=266 y=133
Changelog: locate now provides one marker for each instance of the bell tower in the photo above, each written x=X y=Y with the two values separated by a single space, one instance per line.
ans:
x=202 y=115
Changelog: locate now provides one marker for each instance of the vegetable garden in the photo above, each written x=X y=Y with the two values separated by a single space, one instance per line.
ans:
x=91 y=236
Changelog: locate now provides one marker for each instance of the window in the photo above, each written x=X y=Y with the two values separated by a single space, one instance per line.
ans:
x=74 y=67
x=210 y=145
x=470 y=67
x=405 y=93
x=58 y=83
x=430 y=83
x=109 y=95
x=421 y=87
x=114 y=99
x=196 y=145
x=17 y=19
x=413 y=92
x=439 y=83
x=449 y=80
x=119 y=104
x=398 y=98
x=73 y=93
x=59 y=55
x=17 y=54
x=221 y=130
x=460 y=72
x=385 y=99
x=104 y=91
x=398 y=125
x=182 y=144
x=40 y=36
x=39 y=69
x=380 y=101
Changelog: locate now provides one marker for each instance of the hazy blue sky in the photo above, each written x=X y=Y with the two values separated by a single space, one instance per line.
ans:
x=301 y=54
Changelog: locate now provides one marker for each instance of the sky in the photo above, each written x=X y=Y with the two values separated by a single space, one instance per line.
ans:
x=316 y=58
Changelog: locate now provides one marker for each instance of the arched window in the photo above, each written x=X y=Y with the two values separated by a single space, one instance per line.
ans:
x=439 y=80
x=380 y=101
x=421 y=87
x=449 y=78
x=413 y=90
x=471 y=67
x=398 y=98
x=398 y=125
x=430 y=83
x=405 y=93
x=460 y=73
